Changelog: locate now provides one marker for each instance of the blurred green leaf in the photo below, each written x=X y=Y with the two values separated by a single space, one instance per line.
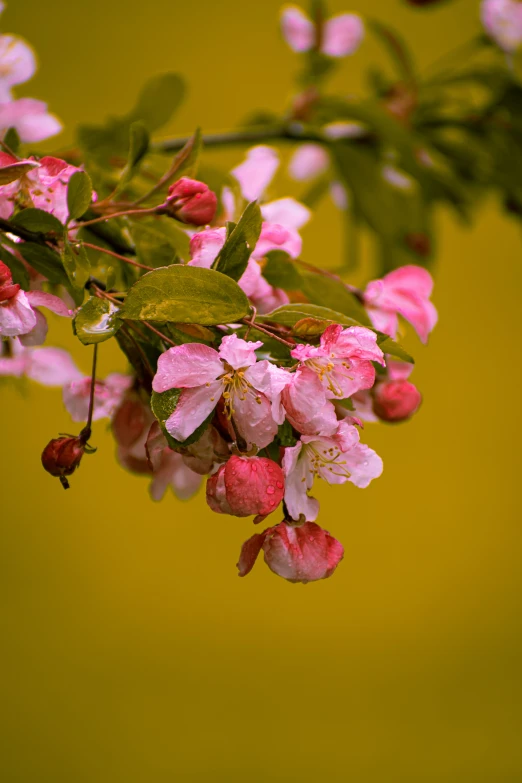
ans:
x=159 y=241
x=38 y=221
x=281 y=272
x=138 y=146
x=326 y=291
x=79 y=194
x=18 y=271
x=233 y=257
x=77 y=265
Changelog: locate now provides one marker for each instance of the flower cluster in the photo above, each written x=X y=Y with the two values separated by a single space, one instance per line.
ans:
x=250 y=369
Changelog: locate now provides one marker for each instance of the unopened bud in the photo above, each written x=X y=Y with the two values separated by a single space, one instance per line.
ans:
x=8 y=289
x=395 y=401
x=62 y=456
x=246 y=486
x=191 y=202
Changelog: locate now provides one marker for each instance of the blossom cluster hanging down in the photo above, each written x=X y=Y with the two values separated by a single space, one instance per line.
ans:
x=251 y=369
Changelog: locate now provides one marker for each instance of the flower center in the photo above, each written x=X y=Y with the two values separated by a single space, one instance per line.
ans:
x=326 y=369
x=236 y=386
x=326 y=459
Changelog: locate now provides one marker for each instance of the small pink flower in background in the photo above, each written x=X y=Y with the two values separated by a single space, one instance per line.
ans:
x=308 y=162
x=191 y=202
x=336 y=369
x=340 y=35
x=251 y=390
x=17 y=314
x=257 y=171
x=30 y=119
x=168 y=468
x=337 y=459
x=396 y=379
x=406 y=292
x=298 y=553
x=48 y=366
x=108 y=394
x=502 y=20
x=17 y=64
x=130 y=425
x=246 y=486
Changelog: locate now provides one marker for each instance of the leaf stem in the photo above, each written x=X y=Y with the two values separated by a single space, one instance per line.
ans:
x=117 y=255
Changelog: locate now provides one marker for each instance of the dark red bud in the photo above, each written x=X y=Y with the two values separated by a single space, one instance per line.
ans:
x=191 y=202
x=62 y=456
x=8 y=289
x=246 y=486
x=395 y=401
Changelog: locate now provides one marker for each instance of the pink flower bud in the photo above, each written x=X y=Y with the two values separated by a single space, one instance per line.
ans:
x=8 y=289
x=62 y=456
x=396 y=400
x=246 y=485
x=191 y=202
x=303 y=553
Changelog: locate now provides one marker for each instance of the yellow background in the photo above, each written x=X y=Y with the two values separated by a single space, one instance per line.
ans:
x=131 y=651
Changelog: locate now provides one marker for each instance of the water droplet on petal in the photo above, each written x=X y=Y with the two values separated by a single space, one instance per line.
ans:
x=270 y=490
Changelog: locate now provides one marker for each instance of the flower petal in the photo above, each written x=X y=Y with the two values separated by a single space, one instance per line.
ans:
x=257 y=171
x=187 y=366
x=298 y=30
x=194 y=405
x=287 y=212
x=238 y=353
x=342 y=35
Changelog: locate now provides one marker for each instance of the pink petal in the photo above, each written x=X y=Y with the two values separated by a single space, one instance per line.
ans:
x=16 y=316
x=298 y=30
x=270 y=380
x=257 y=171
x=253 y=417
x=249 y=552
x=189 y=365
x=38 y=333
x=286 y=212
x=298 y=481
x=194 y=405
x=364 y=465
x=51 y=302
x=398 y=371
x=342 y=35
x=30 y=118
x=18 y=64
x=307 y=162
x=52 y=367
x=276 y=237
x=356 y=341
x=238 y=353
x=205 y=246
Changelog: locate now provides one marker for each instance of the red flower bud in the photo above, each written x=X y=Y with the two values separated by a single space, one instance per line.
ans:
x=191 y=202
x=62 y=456
x=246 y=485
x=8 y=289
x=396 y=400
x=303 y=553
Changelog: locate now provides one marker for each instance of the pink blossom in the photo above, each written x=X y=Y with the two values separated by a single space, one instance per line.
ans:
x=338 y=367
x=406 y=292
x=246 y=486
x=396 y=401
x=48 y=366
x=502 y=20
x=251 y=390
x=11 y=170
x=190 y=201
x=308 y=162
x=363 y=400
x=257 y=171
x=17 y=64
x=341 y=35
x=337 y=458
x=298 y=553
x=47 y=186
x=30 y=119
x=286 y=212
x=130 y=425
x=108 y=394
x=168 y=468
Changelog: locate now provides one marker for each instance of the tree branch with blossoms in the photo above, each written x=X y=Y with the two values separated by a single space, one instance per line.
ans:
x=185 y=273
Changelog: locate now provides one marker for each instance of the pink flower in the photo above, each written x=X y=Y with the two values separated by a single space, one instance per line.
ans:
x=339 y=367
x=47 y=186
x=12 y=169
x=308 y=162
x=130 y=425
x=168 y=468
x=30 y=119
x=298 y=553
x=48 y=366
x=285 y=212
x=108 y=394
x=340 y=35
x=17 y=313
x=246 y=486
x=191 y=202
x=337 y=459
x=502 y=20
x=363 y=401
x=17 y=65
x=257 y=171
x=250 y=389
x=406 y=292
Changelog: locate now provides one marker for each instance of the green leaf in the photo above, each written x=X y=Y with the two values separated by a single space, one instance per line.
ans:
x=233 y=257
x=77 y=265
x=326 y=291
x=159 y=241
x=186 y=162
x=163 y=405
x=158 y=100
x=396 y=48
x=12 y=139
x=138 y=147
x=389 y=346
x=347 y=404
x=18 y=271
x=184 y=294
x=45 y=261
x=281 y=272
x=96 y=321
x=285 y=434
x=38 y=221
x=79 y=194
x=290 y=314
x=15 y=170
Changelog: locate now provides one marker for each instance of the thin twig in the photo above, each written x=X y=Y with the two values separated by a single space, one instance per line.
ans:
x=269 y=334
x=117 y=255
x=103 y=218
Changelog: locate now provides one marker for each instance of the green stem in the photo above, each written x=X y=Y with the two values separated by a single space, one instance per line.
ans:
x=291 y=133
